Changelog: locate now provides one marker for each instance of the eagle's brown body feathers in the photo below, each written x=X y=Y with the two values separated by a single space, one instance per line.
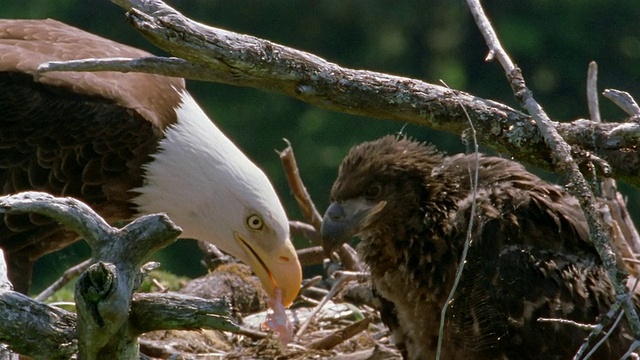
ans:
x=126 y=144
x=55 y=125
x=529 y=258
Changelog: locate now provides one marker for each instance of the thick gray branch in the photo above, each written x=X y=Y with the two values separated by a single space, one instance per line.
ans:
x=154 y=311
x=108 y=321
x=41 y=331
x=222 y=56
x=33 y=328
x=68 y=211
x=36 y=329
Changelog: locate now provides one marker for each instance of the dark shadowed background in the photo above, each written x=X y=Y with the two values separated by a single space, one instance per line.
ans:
x=552 y=42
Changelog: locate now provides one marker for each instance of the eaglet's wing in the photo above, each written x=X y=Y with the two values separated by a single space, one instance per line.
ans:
x=530 y=259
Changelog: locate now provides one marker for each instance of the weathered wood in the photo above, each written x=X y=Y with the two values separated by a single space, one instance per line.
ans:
x=33 y=328
x=108 y=322
x=172 y=311
x=213 y=54
x=377 y=353
x=340 y=335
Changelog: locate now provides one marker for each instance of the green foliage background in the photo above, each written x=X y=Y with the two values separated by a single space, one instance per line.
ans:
x=552 y=41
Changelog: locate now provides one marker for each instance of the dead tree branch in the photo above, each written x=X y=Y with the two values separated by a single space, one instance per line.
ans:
x=217 y=55
x=298 y=189
x=172 y=311
x=346 y=253
x=33 y=328
x=66 y=277
x=109 y=317
x=578 y=186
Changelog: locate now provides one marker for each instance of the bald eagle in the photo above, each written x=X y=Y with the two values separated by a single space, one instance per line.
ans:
x=126 y=144
x=529 y=257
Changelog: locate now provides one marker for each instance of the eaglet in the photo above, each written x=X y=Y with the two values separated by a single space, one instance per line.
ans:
x=529 y=256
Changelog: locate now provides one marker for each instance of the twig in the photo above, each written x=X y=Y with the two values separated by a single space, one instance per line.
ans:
x=66 y=277
x=297 y=187
x=213 y=257
x=62 y=303
x=337 y=286
x=348 y=257
x=624 y=101
x=595 y=332
x=311 y=282
x=633 y=261
x=463 y=258
x=341 y=335
x=5 y=284
x=313 y=255
x=354 y=275
x=578 y=186
x=635 y=345
x=161 y=288
x=568 y=322
x=312 y=301
x=592 y=92
x=605 y=337
x=306 y=230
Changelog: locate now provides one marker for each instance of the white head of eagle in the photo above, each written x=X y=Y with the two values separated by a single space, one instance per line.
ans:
x=126 y=144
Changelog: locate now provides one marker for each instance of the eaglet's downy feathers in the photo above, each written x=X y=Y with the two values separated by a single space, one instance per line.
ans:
x=529 y=258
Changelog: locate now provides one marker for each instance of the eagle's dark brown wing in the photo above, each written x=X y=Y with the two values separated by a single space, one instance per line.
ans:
x=65 y=144
x=83 y=135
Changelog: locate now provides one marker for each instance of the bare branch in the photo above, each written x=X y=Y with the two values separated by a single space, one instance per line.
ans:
x=578 y=186
x=217 y=55
x=68 y=211
x=36 y=329
x=32 y=328
x=172 y=311
x=297 y=187
x=109 y=317
x=66 y=277
x=592 y=92
x=347 y=254
x=624 y=100
x=341 y=335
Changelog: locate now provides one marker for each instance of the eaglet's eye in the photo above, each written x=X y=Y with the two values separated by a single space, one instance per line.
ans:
x=373 y=191
x=255 y=222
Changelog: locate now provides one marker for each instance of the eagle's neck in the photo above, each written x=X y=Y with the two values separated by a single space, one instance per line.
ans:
x=414 y=248
x=410 y=264
x=411 y=256
x=189 y=175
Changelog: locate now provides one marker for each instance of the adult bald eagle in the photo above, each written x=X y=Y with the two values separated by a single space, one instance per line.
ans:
x=126 y=144
x=529 y=258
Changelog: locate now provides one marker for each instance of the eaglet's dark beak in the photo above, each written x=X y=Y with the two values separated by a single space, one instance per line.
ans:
x=344 y=220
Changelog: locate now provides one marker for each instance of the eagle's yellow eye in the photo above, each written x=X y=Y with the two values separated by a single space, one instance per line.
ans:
x=255 y=222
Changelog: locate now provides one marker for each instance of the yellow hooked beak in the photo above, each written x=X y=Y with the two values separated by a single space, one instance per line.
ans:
x=276 y=268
